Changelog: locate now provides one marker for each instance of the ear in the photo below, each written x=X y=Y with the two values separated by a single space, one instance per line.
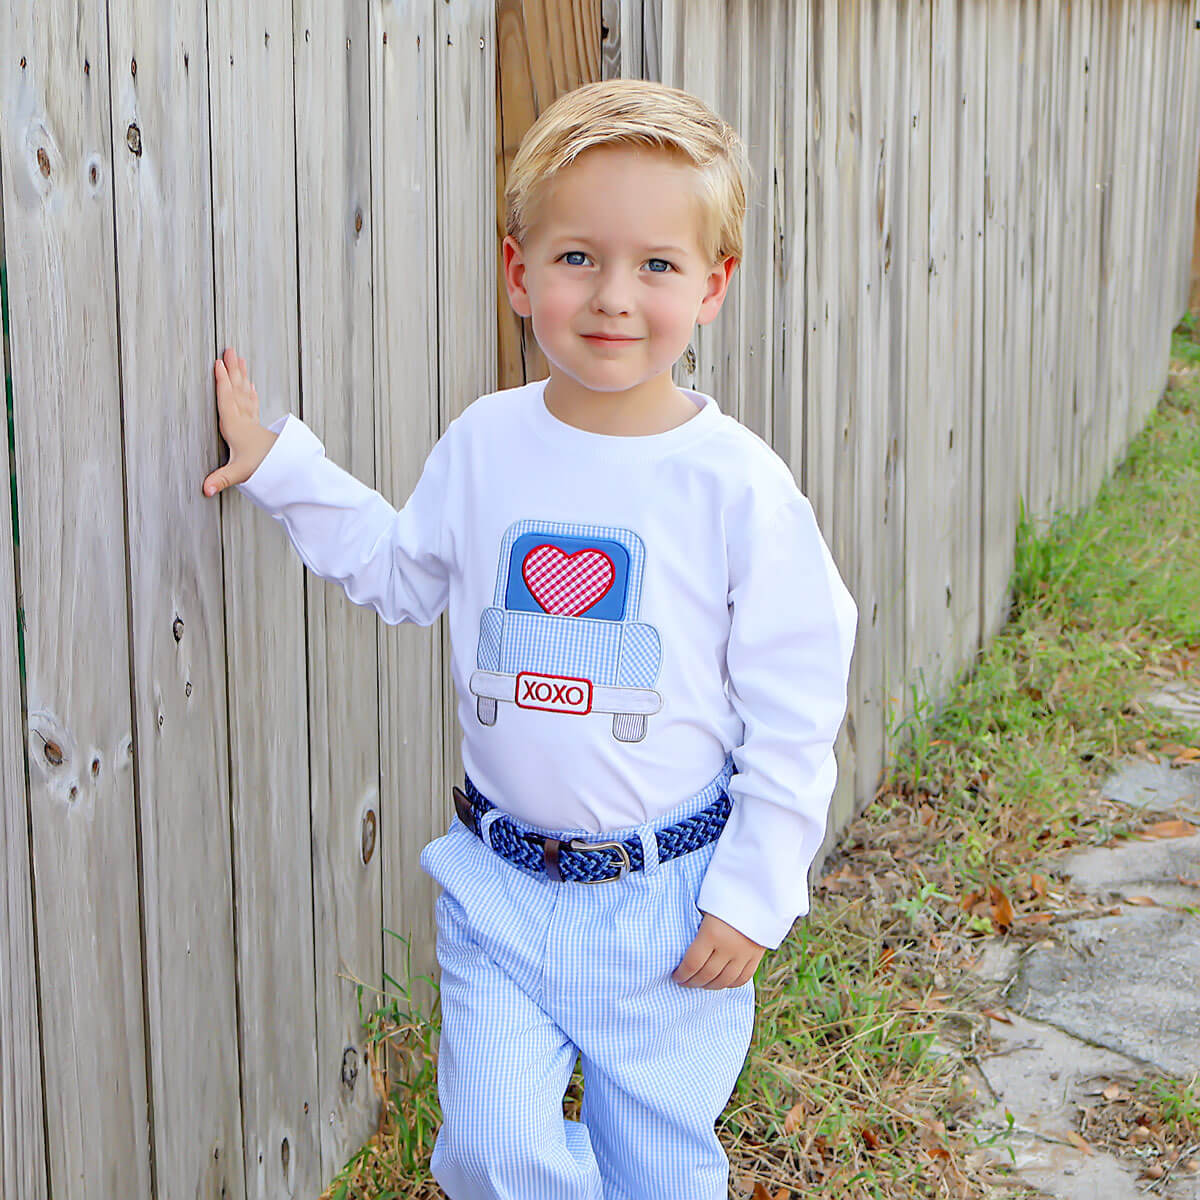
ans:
x=514 y=276
x=718 y=285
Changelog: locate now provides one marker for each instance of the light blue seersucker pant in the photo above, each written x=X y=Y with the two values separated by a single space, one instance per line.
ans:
x=534 y=971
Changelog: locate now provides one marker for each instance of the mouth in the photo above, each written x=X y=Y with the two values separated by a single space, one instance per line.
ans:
x=602 y=337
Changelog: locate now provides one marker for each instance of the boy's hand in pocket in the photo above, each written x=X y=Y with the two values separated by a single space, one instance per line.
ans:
x=237 y=408
x=719 y=957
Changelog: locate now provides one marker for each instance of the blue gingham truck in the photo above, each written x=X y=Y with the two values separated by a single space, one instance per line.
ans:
x=562 y=634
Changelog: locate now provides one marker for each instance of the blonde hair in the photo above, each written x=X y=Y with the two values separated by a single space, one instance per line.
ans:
x=635 y=112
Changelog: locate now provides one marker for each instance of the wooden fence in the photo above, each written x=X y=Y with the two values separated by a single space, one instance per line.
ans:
x=969 y=239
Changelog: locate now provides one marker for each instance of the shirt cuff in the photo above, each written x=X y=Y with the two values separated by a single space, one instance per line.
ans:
x=273 y=484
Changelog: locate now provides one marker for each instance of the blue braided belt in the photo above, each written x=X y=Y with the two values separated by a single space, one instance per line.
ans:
x=577 y=861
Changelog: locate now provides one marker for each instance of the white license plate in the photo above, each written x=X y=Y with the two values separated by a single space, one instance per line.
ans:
x=554 y=693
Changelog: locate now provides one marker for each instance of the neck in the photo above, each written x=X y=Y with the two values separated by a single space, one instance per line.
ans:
x=652 y=407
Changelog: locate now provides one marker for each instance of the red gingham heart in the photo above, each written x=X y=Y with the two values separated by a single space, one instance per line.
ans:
x=567 y=584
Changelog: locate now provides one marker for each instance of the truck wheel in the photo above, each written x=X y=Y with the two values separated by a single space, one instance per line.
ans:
x=485 y=709
x=629 y=727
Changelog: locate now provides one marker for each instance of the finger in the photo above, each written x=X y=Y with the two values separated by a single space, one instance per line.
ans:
x=693 y=962
x=231 y=365
x=216 y=482
x=727 y=978
x=711 y=969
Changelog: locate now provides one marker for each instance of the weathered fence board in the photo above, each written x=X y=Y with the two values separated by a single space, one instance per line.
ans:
x=824 y=437
x=254 y=222
x=405 y=293
x=334 y=228
x=921 y=602
x=163 y=220
x=998 y=431
x=22 y=1135
x=466 y=256
x=755 y=347
x=790 y=251
x=62 y=291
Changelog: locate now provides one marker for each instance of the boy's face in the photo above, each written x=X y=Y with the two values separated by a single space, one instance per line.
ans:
x=612 y=271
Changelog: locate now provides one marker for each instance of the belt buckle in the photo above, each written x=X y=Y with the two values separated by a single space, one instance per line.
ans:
x=624 y=865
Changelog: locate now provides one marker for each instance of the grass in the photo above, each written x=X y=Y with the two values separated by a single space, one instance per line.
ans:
x=870 y=1014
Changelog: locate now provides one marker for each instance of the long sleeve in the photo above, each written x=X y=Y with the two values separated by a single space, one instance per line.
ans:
x=349 y=534
x=792 y=635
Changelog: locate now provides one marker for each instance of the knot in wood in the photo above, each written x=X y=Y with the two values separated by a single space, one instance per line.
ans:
x=133 y=139
x=349 y=1068
x=369 y=823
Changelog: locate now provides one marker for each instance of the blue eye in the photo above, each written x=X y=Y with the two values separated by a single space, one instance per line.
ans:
x=578 y=254
x=667 y=266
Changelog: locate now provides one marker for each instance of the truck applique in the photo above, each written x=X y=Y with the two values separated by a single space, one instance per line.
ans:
x=562 y=634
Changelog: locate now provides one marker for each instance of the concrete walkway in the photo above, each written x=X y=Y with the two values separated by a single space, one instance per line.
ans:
x=1104 y=1002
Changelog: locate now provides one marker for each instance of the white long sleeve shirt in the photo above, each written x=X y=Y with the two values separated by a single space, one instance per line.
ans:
x=625 y=612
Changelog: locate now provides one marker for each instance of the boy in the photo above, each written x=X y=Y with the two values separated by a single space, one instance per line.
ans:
x=651 y=645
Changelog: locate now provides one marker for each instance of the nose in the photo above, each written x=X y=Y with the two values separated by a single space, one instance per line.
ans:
x=613 y=292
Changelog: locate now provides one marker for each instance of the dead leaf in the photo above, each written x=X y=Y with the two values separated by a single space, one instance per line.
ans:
x=1038 y=884
x=1079 y=1143
x=1002 y=909
x=842 y=877
x=1142 y=901
x=997 y=1016
x=1189 y=754
x=927 y=814
x=1169 y=829
x=794 y=1118
x=1038 y=918
x=932 y=1137
x=971 y=899
x=1112 y=1091
x=761 y=1193
x=870 y=1138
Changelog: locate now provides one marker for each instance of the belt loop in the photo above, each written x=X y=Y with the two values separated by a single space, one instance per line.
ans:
x=486 y=822
x=649 y=840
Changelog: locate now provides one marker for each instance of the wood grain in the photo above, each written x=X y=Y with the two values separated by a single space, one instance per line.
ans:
x=22 y=1132
x=998 y=432
x=334 y=228
x=164 y=254
x=826 y=198
x=413 y=803
x=58 y=227
x=252 y=116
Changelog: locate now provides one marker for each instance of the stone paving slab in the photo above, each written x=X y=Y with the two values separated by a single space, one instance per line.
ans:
x=1128 y=983
x=1144 y=784
x=1139 y=862
x=1037 y=1073
x=1180 y=697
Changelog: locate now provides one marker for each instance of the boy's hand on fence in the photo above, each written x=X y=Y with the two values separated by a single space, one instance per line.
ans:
x=719 y=957
x=237 y=407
